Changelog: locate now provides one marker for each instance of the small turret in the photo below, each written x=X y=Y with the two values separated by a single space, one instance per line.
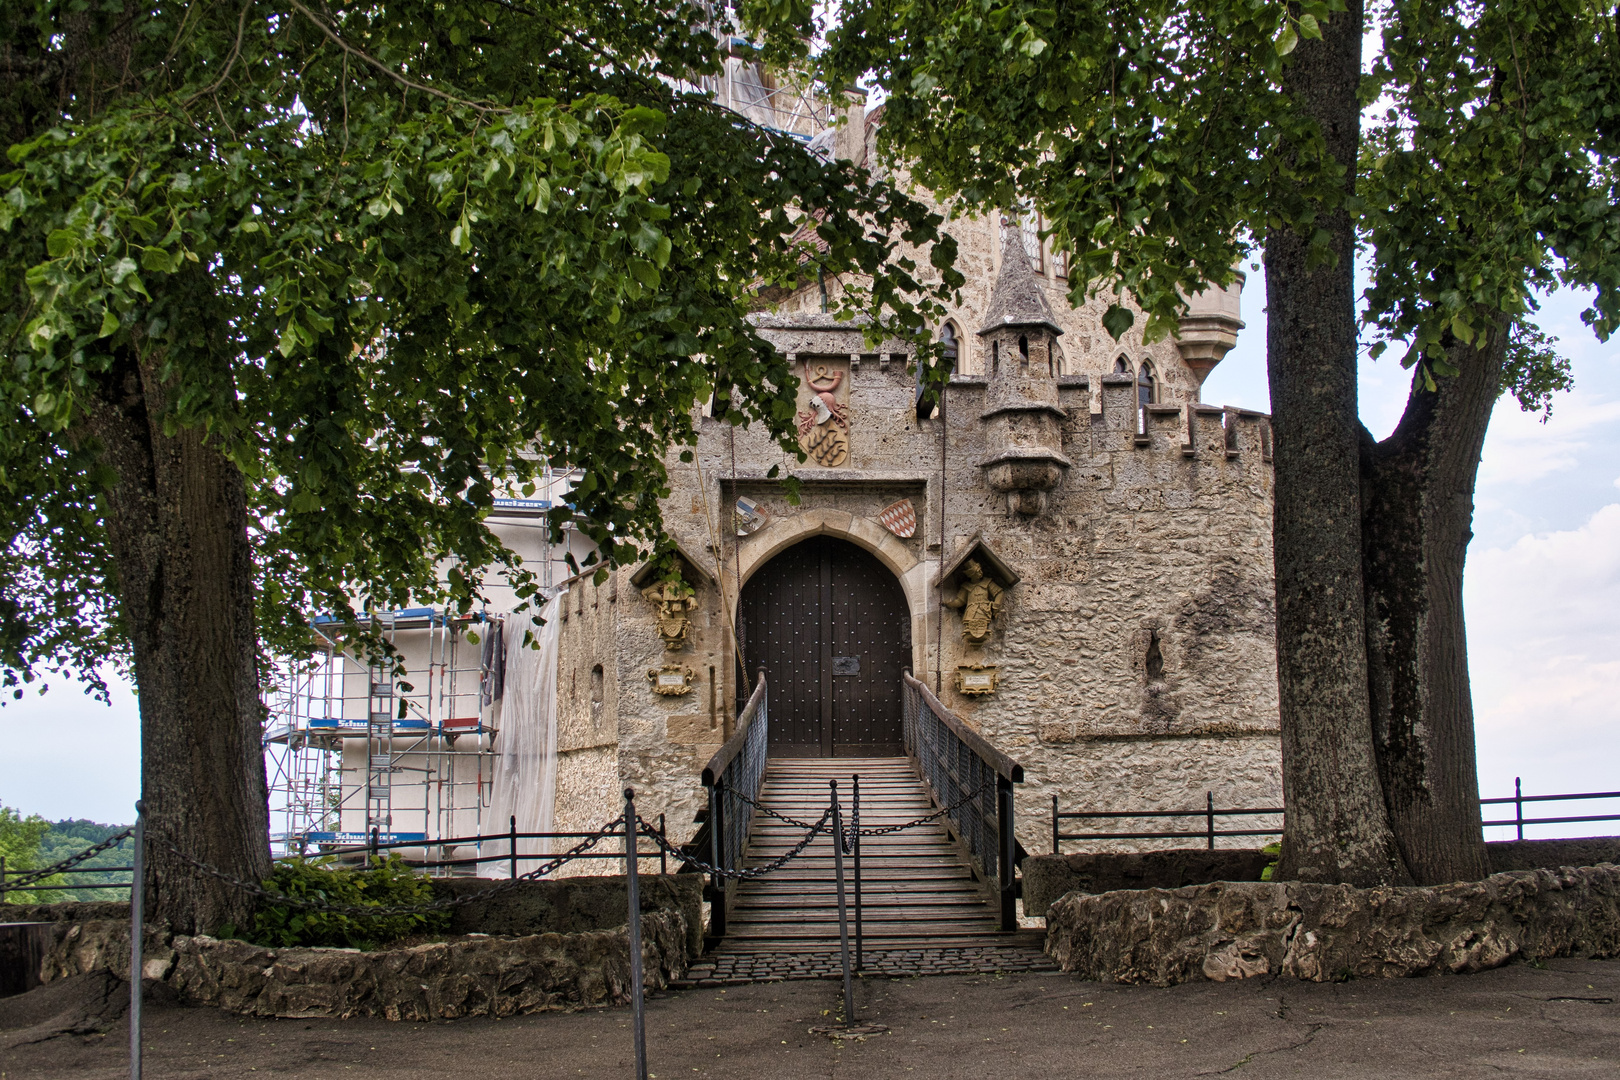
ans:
x=1022 y=419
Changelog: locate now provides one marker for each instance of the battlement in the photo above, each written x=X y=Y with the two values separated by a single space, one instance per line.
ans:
x=1205 y=432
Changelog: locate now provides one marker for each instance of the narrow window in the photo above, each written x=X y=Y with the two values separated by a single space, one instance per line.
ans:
x=995 y=357
x=952 y=347
x=1023 y=352
x=1146 y=391
x=598 y=688
x=1154 y=661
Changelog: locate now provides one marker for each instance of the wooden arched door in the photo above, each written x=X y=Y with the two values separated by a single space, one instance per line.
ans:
x=828 y=622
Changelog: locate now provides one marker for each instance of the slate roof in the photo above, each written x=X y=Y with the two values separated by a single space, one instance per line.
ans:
x=1018 y=299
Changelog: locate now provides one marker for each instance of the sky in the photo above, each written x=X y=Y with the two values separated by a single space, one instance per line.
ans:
x=1541 y=590
x=1542 y=595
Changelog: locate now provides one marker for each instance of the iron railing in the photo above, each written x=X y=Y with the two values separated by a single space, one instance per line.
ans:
x=972 y=778
x=1210 y=812
x=4 y=888
x=1518 y=821
x=1209 y=833
x=733 y=777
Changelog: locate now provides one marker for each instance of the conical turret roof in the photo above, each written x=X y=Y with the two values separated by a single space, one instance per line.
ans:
x=1018 y=299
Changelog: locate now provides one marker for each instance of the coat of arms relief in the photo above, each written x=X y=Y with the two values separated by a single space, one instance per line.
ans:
x=824 y=412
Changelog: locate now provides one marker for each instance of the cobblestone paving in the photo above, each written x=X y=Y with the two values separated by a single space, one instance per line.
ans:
x=737 y=968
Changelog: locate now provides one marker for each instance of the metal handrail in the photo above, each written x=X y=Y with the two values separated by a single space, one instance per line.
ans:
x=972 y=778
x=733 y=778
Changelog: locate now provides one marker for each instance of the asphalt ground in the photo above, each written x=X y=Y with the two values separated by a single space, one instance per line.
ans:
x=1558 y=1020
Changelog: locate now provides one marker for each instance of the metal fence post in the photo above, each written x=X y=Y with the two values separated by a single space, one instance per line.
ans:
x=1054 y=825
x=512 y=848
x=843 y=917
x=1518 y=807
x=663 y=863
x=1209 y=817
x=717 y=824
x=638 y=1004
x=1009 y=853
x=2 y=879
x=855 y=842
x=137 y=931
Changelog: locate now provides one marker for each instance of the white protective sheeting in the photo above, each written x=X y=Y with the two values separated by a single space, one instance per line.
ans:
x=525 y=769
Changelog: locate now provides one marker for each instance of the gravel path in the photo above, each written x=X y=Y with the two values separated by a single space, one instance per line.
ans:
x=1561 y=1020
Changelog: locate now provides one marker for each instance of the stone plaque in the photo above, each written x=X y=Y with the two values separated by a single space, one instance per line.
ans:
x=846 y=665
x=672 y=680
x=976 y=679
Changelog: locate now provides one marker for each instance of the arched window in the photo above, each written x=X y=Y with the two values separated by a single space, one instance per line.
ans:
x=1122 y=366
x=953 y=345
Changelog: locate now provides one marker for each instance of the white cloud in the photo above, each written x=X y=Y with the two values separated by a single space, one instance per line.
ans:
x=1521 y=449
x=1544 y=658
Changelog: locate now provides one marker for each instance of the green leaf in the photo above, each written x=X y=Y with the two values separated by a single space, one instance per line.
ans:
x=61 y=243
x=109 y=324
x=1309 y=27
x=1287 y=40
x=1117 y=319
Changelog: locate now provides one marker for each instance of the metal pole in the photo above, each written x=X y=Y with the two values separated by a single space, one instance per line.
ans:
x=637 y=1004
x=1054 y=825
x=717 y=847
x=1518 y=807
x=137 y=928
x=843 y=916
x=1209 y=816
x=373 y=844
x=855 y=842
x=663 y=860
x=512 y=848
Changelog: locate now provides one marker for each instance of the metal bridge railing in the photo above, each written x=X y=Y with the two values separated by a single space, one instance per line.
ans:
x=973 y=779
x=734 y=776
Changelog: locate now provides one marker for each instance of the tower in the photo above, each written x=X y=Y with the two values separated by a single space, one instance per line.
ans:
x=1022 y=419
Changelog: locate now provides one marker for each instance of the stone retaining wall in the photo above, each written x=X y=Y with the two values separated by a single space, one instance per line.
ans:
x=1325 y=933
x=562 y=944
x=476 y=975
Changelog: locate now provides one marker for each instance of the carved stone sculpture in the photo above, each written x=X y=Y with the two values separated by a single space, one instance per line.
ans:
x=979 y=600
x=673 y=599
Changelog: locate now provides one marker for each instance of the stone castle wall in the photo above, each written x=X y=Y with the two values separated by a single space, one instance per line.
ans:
x=1153 y=538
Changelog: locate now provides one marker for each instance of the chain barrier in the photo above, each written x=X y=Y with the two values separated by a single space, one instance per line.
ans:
x=885 y=830
x=421 y=909
x=753 y=871
x=68 y=863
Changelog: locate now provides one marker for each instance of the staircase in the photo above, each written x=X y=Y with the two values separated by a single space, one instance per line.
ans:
x=923 y=911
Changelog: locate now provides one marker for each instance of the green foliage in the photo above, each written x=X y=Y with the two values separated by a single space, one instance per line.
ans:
x=1275 y=851
x=387 y=883
x=380 y=254
x=20 y=839
x=69 y=837
x=1158 y=140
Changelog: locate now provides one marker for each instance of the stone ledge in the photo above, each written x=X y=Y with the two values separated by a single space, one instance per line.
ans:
x=1049 y=877
x=476 y=975
x=1327 y=933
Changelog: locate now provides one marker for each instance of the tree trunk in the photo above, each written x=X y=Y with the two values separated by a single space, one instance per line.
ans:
x=1417 y=517
x=176 y=519
x=1337 y=828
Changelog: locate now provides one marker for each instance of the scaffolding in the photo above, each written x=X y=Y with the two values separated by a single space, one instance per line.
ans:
x=356 y=749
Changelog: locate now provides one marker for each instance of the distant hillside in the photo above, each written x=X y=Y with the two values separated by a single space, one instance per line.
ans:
x=67 y=838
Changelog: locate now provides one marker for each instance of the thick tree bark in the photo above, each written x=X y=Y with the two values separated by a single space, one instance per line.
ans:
x=1337 y=829
x=1417 y=517
x=176 y=519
